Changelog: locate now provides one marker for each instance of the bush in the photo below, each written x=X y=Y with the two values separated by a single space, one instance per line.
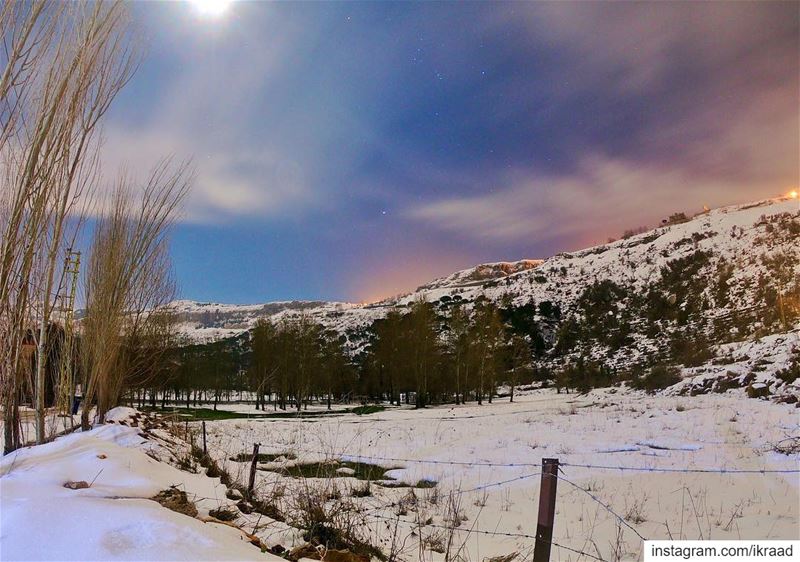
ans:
x=583 y=376
x=658 y=378
x=757 y=390
x=676 y=218
x=634 y=232
x=792 y=372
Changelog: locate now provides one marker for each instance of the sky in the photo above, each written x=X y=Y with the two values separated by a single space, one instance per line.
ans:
x=352 y=151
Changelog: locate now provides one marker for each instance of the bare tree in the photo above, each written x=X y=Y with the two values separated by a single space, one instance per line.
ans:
x=65 y=64
x=129 y=277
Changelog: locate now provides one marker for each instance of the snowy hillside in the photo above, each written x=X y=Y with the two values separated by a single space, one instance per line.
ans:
x=735 y=243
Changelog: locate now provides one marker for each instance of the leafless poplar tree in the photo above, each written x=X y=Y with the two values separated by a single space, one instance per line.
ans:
x=129 y=277
x=64 y=65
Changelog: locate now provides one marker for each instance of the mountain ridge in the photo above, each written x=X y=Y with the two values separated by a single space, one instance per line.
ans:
x=726 y=231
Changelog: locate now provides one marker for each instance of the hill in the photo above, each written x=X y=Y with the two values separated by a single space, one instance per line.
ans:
x=683 y=293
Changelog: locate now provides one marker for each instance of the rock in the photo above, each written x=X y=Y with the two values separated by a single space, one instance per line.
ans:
x=757 y=390
x=102 y=456
x=233 y=494
x=77 y=485
x=345 y=471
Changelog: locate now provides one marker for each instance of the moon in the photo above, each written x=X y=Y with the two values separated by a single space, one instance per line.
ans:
x=211 y=8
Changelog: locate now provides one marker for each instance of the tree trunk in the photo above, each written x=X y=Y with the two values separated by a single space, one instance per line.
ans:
x=41 y=360
x=11 y=426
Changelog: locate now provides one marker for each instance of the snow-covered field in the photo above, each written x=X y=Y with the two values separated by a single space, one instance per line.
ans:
x=721 y=433
x=484 y=459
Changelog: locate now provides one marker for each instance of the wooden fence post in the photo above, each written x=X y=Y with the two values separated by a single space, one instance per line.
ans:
x=252 y=482
x=205 y=451
x=547 y=510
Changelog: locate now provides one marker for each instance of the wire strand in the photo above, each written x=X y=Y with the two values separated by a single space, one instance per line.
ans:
x=686 y=470
x=606 y=506
x=489 y=533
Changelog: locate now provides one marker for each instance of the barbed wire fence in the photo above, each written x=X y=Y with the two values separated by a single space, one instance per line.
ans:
x=543 y=541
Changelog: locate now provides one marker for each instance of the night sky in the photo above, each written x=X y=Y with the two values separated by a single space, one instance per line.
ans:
x=352 y=151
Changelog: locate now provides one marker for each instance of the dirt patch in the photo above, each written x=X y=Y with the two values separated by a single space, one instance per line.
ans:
x=264 y=457
x=223 y=514
x=176 y=500
x=333 y=469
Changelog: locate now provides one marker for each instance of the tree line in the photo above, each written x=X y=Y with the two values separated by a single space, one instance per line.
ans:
x=462 y=355
x=423 y=355
x=453 y=351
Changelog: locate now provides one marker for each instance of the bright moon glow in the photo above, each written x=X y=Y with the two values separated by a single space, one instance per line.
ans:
x=211 y=8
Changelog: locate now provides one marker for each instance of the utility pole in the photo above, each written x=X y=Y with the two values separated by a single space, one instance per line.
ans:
x=66 y=307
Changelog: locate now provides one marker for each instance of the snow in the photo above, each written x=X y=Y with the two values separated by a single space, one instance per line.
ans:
x=614 y=427
x=462 y=447
x=112 y=519
x=760 y=358
x=120 y=413
x=496 y=450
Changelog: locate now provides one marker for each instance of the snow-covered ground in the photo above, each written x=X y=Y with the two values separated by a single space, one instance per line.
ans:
x=485 y=460
x=609 y=428
x=113 y=519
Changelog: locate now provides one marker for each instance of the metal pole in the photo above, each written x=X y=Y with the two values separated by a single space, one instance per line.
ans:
x=547 y=510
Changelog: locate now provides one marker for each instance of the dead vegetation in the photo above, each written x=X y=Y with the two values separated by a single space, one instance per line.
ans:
x=788 y=446
x=176 y=500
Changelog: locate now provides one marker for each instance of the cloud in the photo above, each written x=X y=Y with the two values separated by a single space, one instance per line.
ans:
x=229 y=182
x=752 y=157
x=287 y=111
x=635 y=47
x=603 y=196
x=690 y=105
x=231 y=98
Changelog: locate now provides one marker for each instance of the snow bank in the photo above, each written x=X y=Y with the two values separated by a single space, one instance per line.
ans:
x=120 y=413
x=112 y=519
